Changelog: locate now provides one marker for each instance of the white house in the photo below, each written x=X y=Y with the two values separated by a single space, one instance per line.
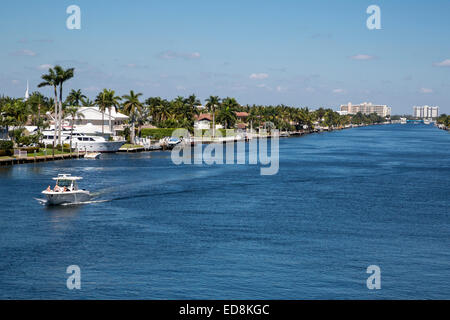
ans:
x=203 y=122
x=92 y=119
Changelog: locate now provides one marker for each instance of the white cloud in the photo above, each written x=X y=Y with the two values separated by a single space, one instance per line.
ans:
x=444 y=63
x=425 y=90
x=264 y=86
x=280 y=89
x=24 y=52
x=362 y=57
x=338 y=91
x=170 y=55
x=44 y=66
x=259 y=76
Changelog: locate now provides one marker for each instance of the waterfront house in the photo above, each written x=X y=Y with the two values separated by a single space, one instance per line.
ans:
x=241 y=117
x=203 y=121
x=93 y=118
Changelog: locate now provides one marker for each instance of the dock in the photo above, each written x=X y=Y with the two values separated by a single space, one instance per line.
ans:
x=19 y=160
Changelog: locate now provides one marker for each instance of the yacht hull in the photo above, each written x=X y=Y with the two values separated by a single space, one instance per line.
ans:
x=94 y=146
x=58 y=198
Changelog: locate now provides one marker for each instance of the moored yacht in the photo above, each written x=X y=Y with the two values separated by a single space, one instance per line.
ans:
x=83 y=142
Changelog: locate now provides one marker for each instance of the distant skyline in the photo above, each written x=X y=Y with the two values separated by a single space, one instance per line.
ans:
x=298 y=53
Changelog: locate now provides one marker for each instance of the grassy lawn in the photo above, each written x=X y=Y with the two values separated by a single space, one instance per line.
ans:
x=49 y=152
x=131 y=146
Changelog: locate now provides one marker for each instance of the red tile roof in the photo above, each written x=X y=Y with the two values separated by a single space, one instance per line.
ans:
x=241 y=114
x=204 y=116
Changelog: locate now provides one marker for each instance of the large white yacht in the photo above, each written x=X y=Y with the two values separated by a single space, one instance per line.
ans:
x=66 y=191
x=83 y=142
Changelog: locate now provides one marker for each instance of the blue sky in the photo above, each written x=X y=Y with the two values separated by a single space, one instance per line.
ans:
x=300 y=53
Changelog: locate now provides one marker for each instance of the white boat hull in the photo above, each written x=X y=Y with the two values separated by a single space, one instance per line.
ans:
x=57 y=198
x=93 y=146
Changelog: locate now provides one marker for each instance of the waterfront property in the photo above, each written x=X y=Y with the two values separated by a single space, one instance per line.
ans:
x=92 y=120
x=365 y=108
x=426 y=112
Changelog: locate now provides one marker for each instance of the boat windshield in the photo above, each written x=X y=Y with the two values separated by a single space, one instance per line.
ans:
x=64 y=183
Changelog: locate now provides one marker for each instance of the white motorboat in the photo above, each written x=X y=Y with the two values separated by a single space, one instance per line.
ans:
x=66 y=191
x=84 y=142
x=92 y=155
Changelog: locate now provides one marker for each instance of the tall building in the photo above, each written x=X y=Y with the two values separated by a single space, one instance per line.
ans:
x=425 y=112
x=366 y=108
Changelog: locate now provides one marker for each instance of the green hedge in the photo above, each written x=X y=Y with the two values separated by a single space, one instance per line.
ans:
x=6 y=153
x=30 y=149
x=6 y=145
x=157 y=133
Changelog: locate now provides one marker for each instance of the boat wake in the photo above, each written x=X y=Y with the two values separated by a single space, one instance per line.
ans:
x=45 y=203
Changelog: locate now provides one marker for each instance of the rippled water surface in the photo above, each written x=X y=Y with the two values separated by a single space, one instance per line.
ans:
x=341 y=201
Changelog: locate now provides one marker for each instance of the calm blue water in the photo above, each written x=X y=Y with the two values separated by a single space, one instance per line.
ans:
x=341 y=201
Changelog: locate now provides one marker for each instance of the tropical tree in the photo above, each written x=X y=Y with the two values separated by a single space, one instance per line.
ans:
x=227 y=112
x=75 y=97
x=88 y=103
x=15 y=113
x=37 y=103
x=102 y=104
x=193 y=103
x=211 y=103
x=132 y=107
x=112 y=102
x=74 y=113
x=52 y=79
x=62 y=76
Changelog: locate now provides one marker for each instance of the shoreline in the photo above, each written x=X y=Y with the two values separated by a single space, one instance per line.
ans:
x=14 y=161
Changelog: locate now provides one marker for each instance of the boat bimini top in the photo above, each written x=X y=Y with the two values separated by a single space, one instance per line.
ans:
x=67 y=177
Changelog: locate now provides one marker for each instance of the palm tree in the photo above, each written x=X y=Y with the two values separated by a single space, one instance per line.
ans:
x=102 y=102
x=227 y=116
x=73 y=112
x=211 y=104
x=51 y=79
x=164 y=111
x=132 y=107
x=88 y=103
x=63 y=76
x=36 y=101
x=193 y=103
x=75 y=97
x=112 y=102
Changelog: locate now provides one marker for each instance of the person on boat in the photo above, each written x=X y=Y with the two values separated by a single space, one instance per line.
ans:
x=65 y=189
x=57 y=188
x=49 y=189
